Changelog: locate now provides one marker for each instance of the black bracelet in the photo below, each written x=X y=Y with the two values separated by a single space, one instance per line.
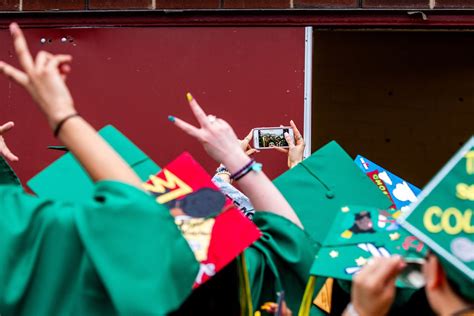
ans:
x=242 y=170
x=57 y=129
x=251 y=166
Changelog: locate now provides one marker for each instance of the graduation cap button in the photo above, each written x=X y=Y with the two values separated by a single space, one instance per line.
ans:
x=329 y=194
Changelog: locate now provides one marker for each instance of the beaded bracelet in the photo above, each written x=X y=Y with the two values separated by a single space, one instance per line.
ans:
x=252 y=165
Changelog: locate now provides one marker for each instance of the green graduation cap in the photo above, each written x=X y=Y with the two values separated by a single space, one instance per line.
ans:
x=66 y=180
x=359 y=234
x=317 y=189
x=7 y=175
x=443 y=218
x=323 y=183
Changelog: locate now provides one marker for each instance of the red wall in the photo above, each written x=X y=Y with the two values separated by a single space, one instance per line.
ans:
x=134 y=78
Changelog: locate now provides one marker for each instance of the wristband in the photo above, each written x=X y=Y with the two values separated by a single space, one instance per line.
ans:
x=222 y=169
x=252 y=165
x=57 y=129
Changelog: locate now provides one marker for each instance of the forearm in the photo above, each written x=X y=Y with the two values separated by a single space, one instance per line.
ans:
x=96 y=156
x=260 y=190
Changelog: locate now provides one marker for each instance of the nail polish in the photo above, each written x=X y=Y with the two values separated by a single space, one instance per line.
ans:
x=171 y=118
x=189 y=97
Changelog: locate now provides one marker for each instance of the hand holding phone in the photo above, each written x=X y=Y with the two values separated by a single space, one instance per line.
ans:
x=296 y=145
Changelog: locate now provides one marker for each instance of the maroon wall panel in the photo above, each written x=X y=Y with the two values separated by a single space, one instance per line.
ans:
x=134 y=78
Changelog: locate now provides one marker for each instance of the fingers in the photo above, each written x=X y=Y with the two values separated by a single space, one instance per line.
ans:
x=244 y=143
x=289 y=140
x=380 y=272
x=248 y=138
x=252 y=151
x=42 y=58
x=6 y=127
x=64 y=70
x=11 y=72
x=186 y=127
x=269 y=307
x=282 y=150
x=21 y=48
x=296 y=132
x=389 y=271
x=197 y=110
x=285 y=310
x=57 y=60
x=6 y=152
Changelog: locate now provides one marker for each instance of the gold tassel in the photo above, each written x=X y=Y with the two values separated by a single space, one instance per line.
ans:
x=246 y=308
x=307 y=297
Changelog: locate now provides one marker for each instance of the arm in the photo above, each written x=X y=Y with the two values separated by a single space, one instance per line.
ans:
x=249 y=151
x=221 y=143
x=44 y=78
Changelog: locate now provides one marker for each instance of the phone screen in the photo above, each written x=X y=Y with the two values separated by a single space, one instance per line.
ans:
x=272 y=137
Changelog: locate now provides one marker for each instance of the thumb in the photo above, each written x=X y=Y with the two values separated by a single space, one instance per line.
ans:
x=6 y=127
x=282 y=150
x=388 y=273
x=251 y=151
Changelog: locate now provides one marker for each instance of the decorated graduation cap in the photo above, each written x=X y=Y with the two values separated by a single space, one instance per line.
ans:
x=66 y=180
x=215 y=229
x=357 y=235
x=443 y=218
x=323 y=183
x=360 y=234
x=7 y=175
x=399 y=191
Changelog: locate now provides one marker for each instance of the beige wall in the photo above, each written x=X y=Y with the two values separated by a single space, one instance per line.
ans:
x=402 y=99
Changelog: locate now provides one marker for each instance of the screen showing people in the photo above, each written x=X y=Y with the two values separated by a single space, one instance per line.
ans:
x=268 y=137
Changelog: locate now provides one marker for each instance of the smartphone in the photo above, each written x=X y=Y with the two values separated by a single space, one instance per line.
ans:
x=266 y=137
x=412 y=274
x=281 y=299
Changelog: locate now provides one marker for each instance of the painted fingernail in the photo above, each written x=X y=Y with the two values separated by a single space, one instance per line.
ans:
x=13 y=28
x=171 y=118
x=189 y=97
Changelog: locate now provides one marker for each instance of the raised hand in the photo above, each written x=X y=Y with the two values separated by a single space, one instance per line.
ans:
x=216 y=135
x=221 y=143
x=4 y=150
x=373 y=288
x=295 y=150
x=44 y=78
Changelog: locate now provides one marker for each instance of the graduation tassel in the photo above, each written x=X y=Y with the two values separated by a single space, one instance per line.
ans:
x=307 y=297
x=246 y=308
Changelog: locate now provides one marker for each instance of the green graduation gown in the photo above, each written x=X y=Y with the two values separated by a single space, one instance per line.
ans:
x=122 y=254
x=53 y=260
